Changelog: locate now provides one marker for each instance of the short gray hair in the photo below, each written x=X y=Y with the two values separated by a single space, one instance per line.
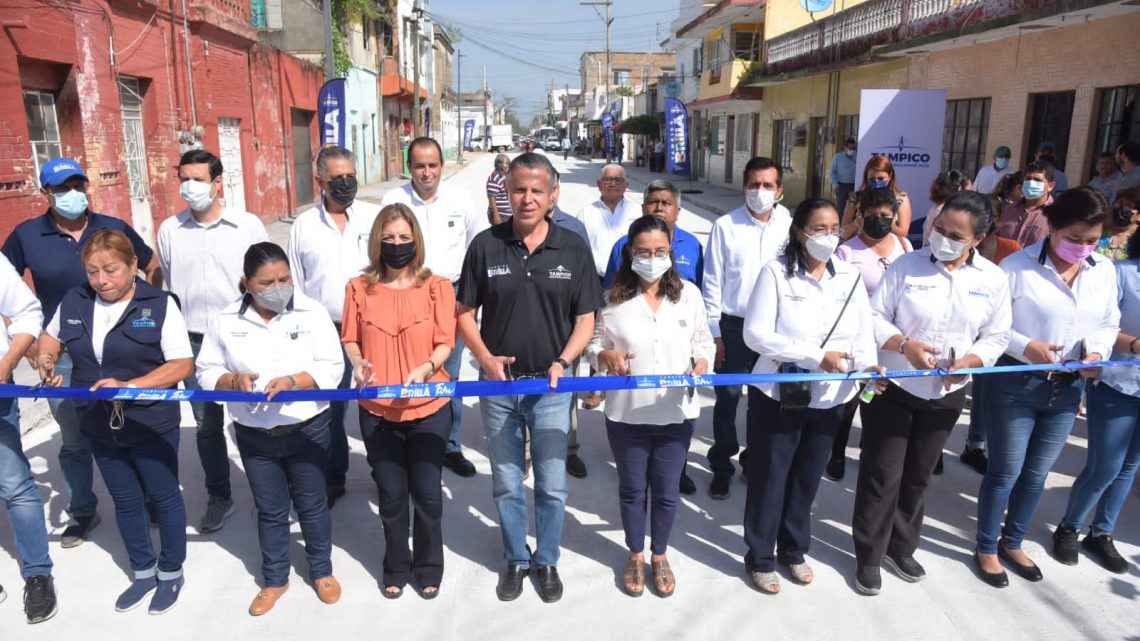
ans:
x=613 y=165
x=502 y=162
x=330 y=153
x=662 y=185
x=531 y=160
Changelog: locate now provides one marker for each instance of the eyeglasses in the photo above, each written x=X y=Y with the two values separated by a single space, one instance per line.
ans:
x=645 y=253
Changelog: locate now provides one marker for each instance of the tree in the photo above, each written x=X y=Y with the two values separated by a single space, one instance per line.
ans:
x=644 y=125
x=345 y=13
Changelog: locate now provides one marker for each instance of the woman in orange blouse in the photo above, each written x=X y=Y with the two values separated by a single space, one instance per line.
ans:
x=399 y=328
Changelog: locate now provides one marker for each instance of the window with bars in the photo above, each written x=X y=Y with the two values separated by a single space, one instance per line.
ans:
x=43 y=129
x=783 y=142
x=715 y=142
x=746 y=45
x=134 y=139
x=964 y=135
x=1117 y=120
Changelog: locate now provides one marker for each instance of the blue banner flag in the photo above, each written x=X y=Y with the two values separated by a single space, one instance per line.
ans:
x=608 y=133
x=676 y=137
x=331 y=112
x=468 y=131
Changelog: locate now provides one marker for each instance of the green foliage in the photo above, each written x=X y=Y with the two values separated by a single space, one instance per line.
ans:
x=626 y=91
x=644 y=125
x=344 y=13
x=454 y=33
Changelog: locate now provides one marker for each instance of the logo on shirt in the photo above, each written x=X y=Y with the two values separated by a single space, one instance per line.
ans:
x=795 y=298
x=979 y=294
x=498 y=270
x=144 y=320
x=74 y=321
x=560 y=273
x=919 y=287
x=683 y=260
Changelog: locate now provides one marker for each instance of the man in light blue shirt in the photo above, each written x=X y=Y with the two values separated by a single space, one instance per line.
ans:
x=842 y=173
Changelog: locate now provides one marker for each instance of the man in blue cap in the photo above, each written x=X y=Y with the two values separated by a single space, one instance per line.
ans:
x=48 y=246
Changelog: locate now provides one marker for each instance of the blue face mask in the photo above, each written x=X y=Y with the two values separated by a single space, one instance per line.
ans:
x=1001 y=163
x=1033 y=189
x=70 y=204
x=876 y=183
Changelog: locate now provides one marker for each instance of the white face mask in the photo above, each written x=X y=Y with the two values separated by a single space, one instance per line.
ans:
x=760 y=200
x=650 y=269
x=196 y=194
x=945 y=249
x=822 y=246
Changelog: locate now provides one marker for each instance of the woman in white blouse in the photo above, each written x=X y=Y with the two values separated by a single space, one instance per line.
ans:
x=941 y=306
x=808 y=311
x=275 y=339
x=654 y=323
x=1064 y=309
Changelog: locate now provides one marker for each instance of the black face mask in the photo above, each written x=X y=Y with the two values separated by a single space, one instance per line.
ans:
x=877 y=227
x=343 y=189
x=396 y=255
x=1121 y=217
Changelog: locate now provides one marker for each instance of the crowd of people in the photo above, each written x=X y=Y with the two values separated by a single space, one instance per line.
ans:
x=366 y=295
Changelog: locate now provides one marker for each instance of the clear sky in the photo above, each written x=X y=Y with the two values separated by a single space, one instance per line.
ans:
x=525 y=44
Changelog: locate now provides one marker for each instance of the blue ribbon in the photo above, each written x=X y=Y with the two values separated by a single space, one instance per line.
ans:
x=509 y=388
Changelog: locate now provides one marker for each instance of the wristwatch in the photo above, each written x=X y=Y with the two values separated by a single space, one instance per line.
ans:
x=902 y=345
x=562 y=361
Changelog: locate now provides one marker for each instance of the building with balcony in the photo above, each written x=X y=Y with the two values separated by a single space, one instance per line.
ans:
x=1016 y=74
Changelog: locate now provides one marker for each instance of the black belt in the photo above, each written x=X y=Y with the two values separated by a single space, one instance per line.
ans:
x=1053 y=376
x=522 y=376
x=197 y=336
x=282 y=430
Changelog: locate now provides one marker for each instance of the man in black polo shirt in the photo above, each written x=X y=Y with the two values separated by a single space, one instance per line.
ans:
x=48 y=246
x=538 y=288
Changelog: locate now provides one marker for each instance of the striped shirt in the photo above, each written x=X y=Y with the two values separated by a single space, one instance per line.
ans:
x=497 y=189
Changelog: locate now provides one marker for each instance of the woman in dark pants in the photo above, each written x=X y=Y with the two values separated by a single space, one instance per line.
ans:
x=275 y=340
x=399 y=328
x=798 y=297
x=655 y=323
x=942 y=306
x=121 y=332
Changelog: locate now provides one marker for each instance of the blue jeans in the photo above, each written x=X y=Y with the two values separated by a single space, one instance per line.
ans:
x=1114 y=455
x=506 y=421
x=1029 y=420
x=19 y=492
x=976 y=436
x=210 y=436
x=285 y=472
x=337 y=469
x=75 y=451
x=452 y=366
x=139 y=474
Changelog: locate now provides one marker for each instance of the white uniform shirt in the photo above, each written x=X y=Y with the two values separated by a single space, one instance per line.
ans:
x=202 y=264
x=173 y=340
x=1046 y=309
x=302 y=339
x=966 y=310
x=449 y=223
x=788 y=318
x=988 y=178
x=662 y=342
x=323 y=258
x=19 y=304
x=739 y=246
x=605 y=227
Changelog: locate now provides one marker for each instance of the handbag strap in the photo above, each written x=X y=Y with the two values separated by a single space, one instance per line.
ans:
x=840 y=316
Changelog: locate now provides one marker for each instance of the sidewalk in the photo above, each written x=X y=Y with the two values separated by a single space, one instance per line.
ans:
x=715 y=199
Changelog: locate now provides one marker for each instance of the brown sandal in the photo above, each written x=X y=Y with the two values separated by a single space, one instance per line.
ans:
x=663 y=578
x=634 y=577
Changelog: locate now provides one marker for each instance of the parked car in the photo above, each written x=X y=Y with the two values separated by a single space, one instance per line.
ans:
x=552 y=144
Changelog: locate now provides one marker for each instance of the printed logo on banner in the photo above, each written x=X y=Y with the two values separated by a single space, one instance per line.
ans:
x=903 y=155
x=331 y=113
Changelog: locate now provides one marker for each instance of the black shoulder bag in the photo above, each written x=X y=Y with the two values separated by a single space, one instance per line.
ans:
x=796 y=395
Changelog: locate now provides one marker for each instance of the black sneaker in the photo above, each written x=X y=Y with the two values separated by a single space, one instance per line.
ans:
x=975 y=457
x=1103 y=550
x=688 y=487
x=1065 y=545
x=938 y=466
x=39 y=598
x=868 y=580
x=719 y=487
x=456 y=462
x=78 y=530
x=905 y=568
x=836 y=467
x=575 y=466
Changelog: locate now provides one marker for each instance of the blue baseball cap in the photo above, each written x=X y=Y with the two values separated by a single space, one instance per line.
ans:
x=58 y=170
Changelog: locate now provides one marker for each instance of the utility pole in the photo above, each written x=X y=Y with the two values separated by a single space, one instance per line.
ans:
x=486 y=118
x=416 y=127
x=330 y=66
x=609 y=21
x=459 y=103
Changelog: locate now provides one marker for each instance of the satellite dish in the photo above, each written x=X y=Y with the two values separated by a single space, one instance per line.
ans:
x=811 y=6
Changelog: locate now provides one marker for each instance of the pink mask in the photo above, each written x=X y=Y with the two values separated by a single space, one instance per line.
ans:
x=1071 y=252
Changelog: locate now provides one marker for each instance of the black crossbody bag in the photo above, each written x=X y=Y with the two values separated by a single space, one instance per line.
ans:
x=796 y=395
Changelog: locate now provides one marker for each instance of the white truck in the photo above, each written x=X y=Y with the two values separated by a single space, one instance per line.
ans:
x=499 y=138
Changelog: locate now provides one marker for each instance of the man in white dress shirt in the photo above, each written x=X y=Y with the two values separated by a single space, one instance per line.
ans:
x=328 y=245
x=1107 y=174
x=607 y=220
x=200 y=253
x=449 y=219
x=989 y=176
x=741 y=243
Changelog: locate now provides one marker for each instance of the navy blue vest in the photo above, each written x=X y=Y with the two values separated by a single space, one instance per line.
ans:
x=132 y=348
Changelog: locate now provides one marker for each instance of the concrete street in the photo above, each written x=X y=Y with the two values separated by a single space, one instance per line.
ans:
x=714 y=599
